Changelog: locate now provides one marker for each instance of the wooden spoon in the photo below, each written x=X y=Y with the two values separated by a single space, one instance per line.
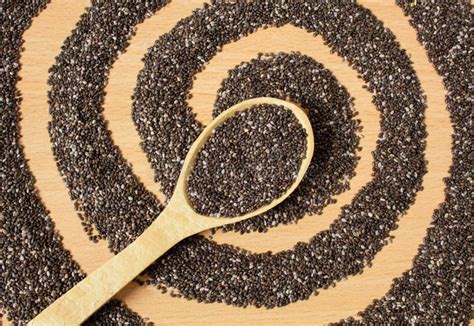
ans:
x=178 y=220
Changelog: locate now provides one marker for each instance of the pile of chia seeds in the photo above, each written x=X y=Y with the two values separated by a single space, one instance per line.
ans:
x=251 y=159
x=115 y=203
x=116 y=312
x=34 y=266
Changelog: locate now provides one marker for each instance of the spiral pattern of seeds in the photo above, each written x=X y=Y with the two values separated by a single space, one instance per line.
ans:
x=168 y=128
x=439 y=279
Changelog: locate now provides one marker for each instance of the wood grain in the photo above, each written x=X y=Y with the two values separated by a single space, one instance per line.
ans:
x=42 y=44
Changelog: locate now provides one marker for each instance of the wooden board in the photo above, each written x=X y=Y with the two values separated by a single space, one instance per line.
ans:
x=42 y=43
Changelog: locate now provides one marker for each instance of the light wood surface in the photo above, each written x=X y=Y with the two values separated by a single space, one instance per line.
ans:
x=177 y=221
x=42 y=44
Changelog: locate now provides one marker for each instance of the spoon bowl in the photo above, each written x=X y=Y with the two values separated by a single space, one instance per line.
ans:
x=180 y=193
x=176 y=222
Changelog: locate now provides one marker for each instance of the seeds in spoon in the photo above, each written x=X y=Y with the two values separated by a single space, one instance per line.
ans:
x=249 y=160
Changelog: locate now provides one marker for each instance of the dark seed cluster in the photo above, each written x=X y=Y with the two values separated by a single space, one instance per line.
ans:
x=438 y=288
x=199 y=268
x=251 y=159
x=116 y=313
x=34 y=266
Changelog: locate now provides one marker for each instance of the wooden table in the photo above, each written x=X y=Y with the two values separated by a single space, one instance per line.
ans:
x=42 y=43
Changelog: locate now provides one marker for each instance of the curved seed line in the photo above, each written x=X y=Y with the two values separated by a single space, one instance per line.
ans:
x=119 y=207
x=39 y=54
x=121 y=83
x=437 y=289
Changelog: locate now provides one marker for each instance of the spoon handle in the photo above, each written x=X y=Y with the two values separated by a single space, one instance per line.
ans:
x=87 y=296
